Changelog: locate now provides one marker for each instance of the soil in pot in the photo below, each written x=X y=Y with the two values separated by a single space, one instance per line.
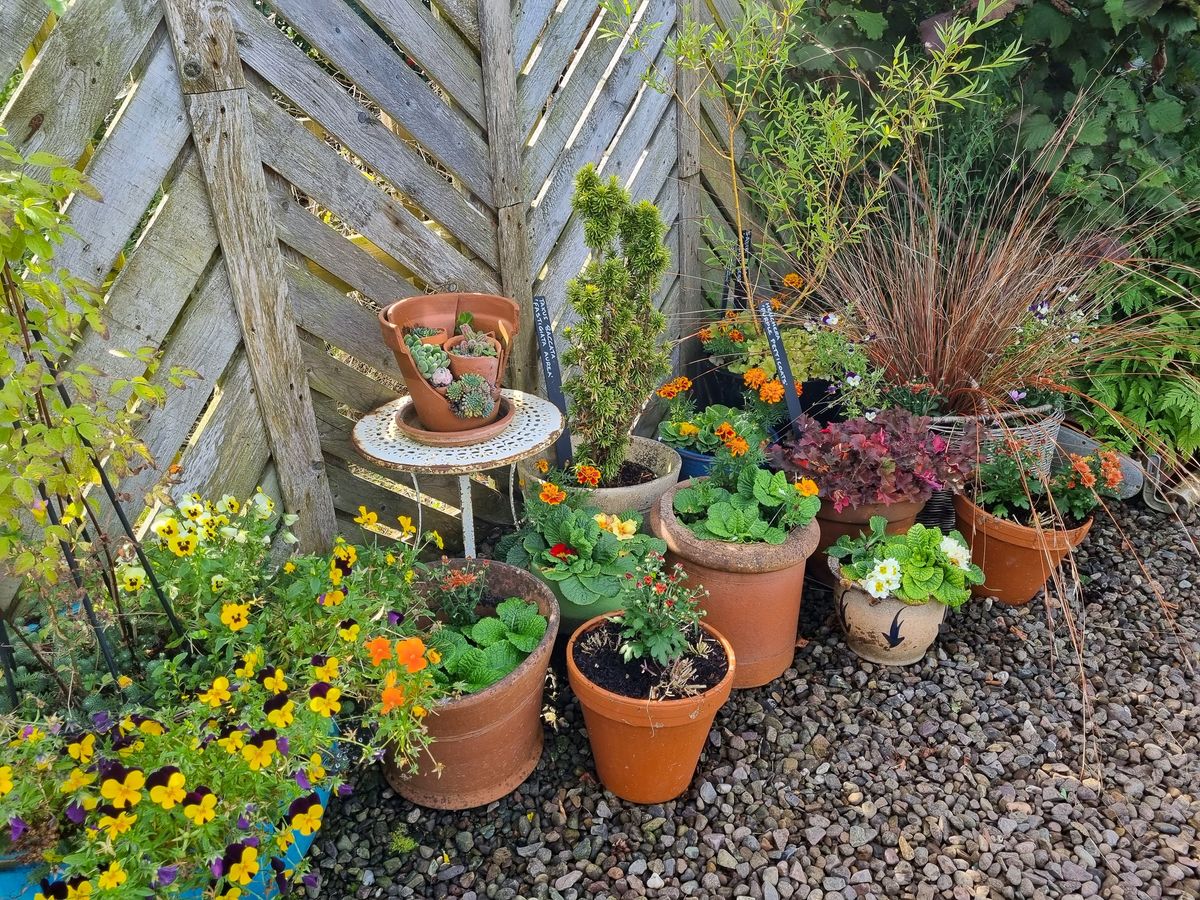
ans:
x=630 y=474
x=754 y=590
x=1017 y=560
x=599 y=657
x=489 y=742
x=646 y=751
x=854 y=521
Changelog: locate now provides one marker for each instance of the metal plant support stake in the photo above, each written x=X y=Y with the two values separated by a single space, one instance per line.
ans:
x=8 y=661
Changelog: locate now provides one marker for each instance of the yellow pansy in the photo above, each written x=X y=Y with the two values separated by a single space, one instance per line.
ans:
x=112 y=877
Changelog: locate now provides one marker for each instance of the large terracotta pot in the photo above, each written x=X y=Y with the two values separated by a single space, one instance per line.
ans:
x=487 y=743
x=754 y=590
x=646 y=751
x=855 y=521
x=886 y=631
x=659 y=458
x=499 y=315
x=1017 y=560
x=487 y=366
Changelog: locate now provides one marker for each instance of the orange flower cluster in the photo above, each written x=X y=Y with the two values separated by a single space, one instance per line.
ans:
x=771 y=392
x=588 y=476
x=734 y=442
x=552 y=494
x=675 y=387
x=1083 y=468
x=1110 y=469
x=755 y=378
x=806 y=487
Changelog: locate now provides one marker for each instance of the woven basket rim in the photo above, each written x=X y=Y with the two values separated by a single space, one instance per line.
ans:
x=1043 y=412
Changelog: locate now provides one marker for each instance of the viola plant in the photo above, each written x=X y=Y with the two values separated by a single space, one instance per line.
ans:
x=1010 y=485
x=891 y=457
x=922 y=565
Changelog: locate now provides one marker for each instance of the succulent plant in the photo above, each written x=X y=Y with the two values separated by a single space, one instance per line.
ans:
x=474 y=343
x=429 y=358
x=441 y=378
x=422 y=331
x=471 y=397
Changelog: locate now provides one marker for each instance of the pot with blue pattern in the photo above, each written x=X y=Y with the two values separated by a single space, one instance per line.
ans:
x=884 y=630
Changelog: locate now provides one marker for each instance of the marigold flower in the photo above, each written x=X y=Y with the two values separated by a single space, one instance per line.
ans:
x=552 y=494
x=542 y=465
x=410 y=653
x=725 y=431
x=380 y=649
x=705 y=334
x=667 y=392
x=737 y=445
x=792 y=280
x=771 y=392
x=735 y=335
x=235 y=616
x=806 y=487
x=588 y=476
x=755 y=378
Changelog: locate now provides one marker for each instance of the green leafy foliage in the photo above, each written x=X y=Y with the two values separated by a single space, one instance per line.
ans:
x=661 y=613
x=1010 y=485
x=615 y=345
x=920 y=566
x=477 y=657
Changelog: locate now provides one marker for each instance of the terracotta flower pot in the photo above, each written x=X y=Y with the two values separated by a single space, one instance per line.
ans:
x=498 y=315
x=646 y=751
x=659 y=458
x=855 y=521
x=487 y=743
x=1017 y=560
x=754 y=590
x=487 y=366
x=886 y=631
x=435 y=339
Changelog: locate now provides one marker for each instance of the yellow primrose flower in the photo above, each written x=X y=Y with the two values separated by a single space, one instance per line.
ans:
x=687 y=429
x=235 y=616
x=366 y=518
x=217 y=694
x=112 y=877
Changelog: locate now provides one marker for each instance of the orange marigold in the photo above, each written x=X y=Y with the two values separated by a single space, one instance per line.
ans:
x=736 y=335
x=552 y=494
x=705 y=334
x=737 y=445
x=725 y=431
x=542 y=465
x=588 y=476
x=755 y=378
x=792 y=280
x=771 y=392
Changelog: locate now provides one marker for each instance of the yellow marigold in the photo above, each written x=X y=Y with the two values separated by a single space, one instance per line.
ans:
x=806 y=487
x=771 y=392
x=792 y=280
x=755 y=378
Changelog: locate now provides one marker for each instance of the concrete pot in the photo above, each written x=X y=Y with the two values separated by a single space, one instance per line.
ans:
x=487 y=743
x=885 y=631
x=754 y=590
x=661 y=459
x=646 y=751
x=1017 y=560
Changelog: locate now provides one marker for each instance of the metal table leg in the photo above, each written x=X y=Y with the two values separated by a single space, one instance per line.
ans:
x=468 y=516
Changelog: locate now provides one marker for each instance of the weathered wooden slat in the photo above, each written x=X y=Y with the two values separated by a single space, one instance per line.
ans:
x=350 y=492
x=127 y=169
x=146 y=297
x=20 y=21
x=499 y=71
x=341 y=382
x=204 y=341
x=308 y=235
x=293 y=74
x=231 y=446
x=548 y=217
x=464 y=14
x=70 y=89
x=529 y=21
x=229 y=157
x=205 y=45
x=330 y=315
x=436 y=48
x=687 y=127
x=316 y=168
x=555 y=49
x=382 y=74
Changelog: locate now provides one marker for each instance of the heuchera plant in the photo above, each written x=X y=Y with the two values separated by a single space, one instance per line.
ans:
x=1011 y=486
x=892 y=457
x=581 y=550
x=920 y=566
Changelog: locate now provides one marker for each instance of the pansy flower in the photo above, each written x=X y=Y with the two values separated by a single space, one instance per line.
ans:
x=83 y=749
x=392 y=696
x=217 y=694
x=305 y=814
x=166 y=787
x=348 y=630
x=280 y=711
x=273 y=680
x=410 y=653
x=325 y=668
x=232 y=739
x=260 y=749
x=133 y=579
x=112 y=877
x=323 y=698
x=235 y=616
x=51 y=890
x=123 y=787
x=114 y=822
x=380 y=649
x=146 y=725
x=76 y=781
x=200 y=806
x=240 y=863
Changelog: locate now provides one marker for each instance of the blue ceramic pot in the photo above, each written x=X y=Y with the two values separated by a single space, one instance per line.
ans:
x=695 y=465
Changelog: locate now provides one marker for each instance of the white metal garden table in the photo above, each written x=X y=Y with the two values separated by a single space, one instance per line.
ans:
x=536 y=424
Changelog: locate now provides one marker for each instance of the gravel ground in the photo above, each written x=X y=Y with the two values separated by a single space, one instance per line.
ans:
x=970 y=775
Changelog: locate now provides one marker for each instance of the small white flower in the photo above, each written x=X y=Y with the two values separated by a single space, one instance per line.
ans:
x=887 y=568
x=870 y=415
x=290 y=519
x=956 y=552
x=876 y=587
x=288 y=538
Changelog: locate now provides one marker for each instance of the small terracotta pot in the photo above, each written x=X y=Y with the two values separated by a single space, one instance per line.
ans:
x=661 y=459
x=885 y=631
x=754 y=590
x=487 y=743
x=1017 y=560
x=855 y=521
x=646 y=751
x=487 y=366
x=435 y=339
x=498 y=315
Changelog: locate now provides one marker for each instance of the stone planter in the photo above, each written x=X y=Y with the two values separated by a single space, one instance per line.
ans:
x=646 y=751
x=1017 y=560
x=754 y=590
x=885 y=631
x=489 y=742
x=659 y=458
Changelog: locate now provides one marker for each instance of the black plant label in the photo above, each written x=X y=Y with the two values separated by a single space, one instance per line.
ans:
x=552 y=371
x=782 y=367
